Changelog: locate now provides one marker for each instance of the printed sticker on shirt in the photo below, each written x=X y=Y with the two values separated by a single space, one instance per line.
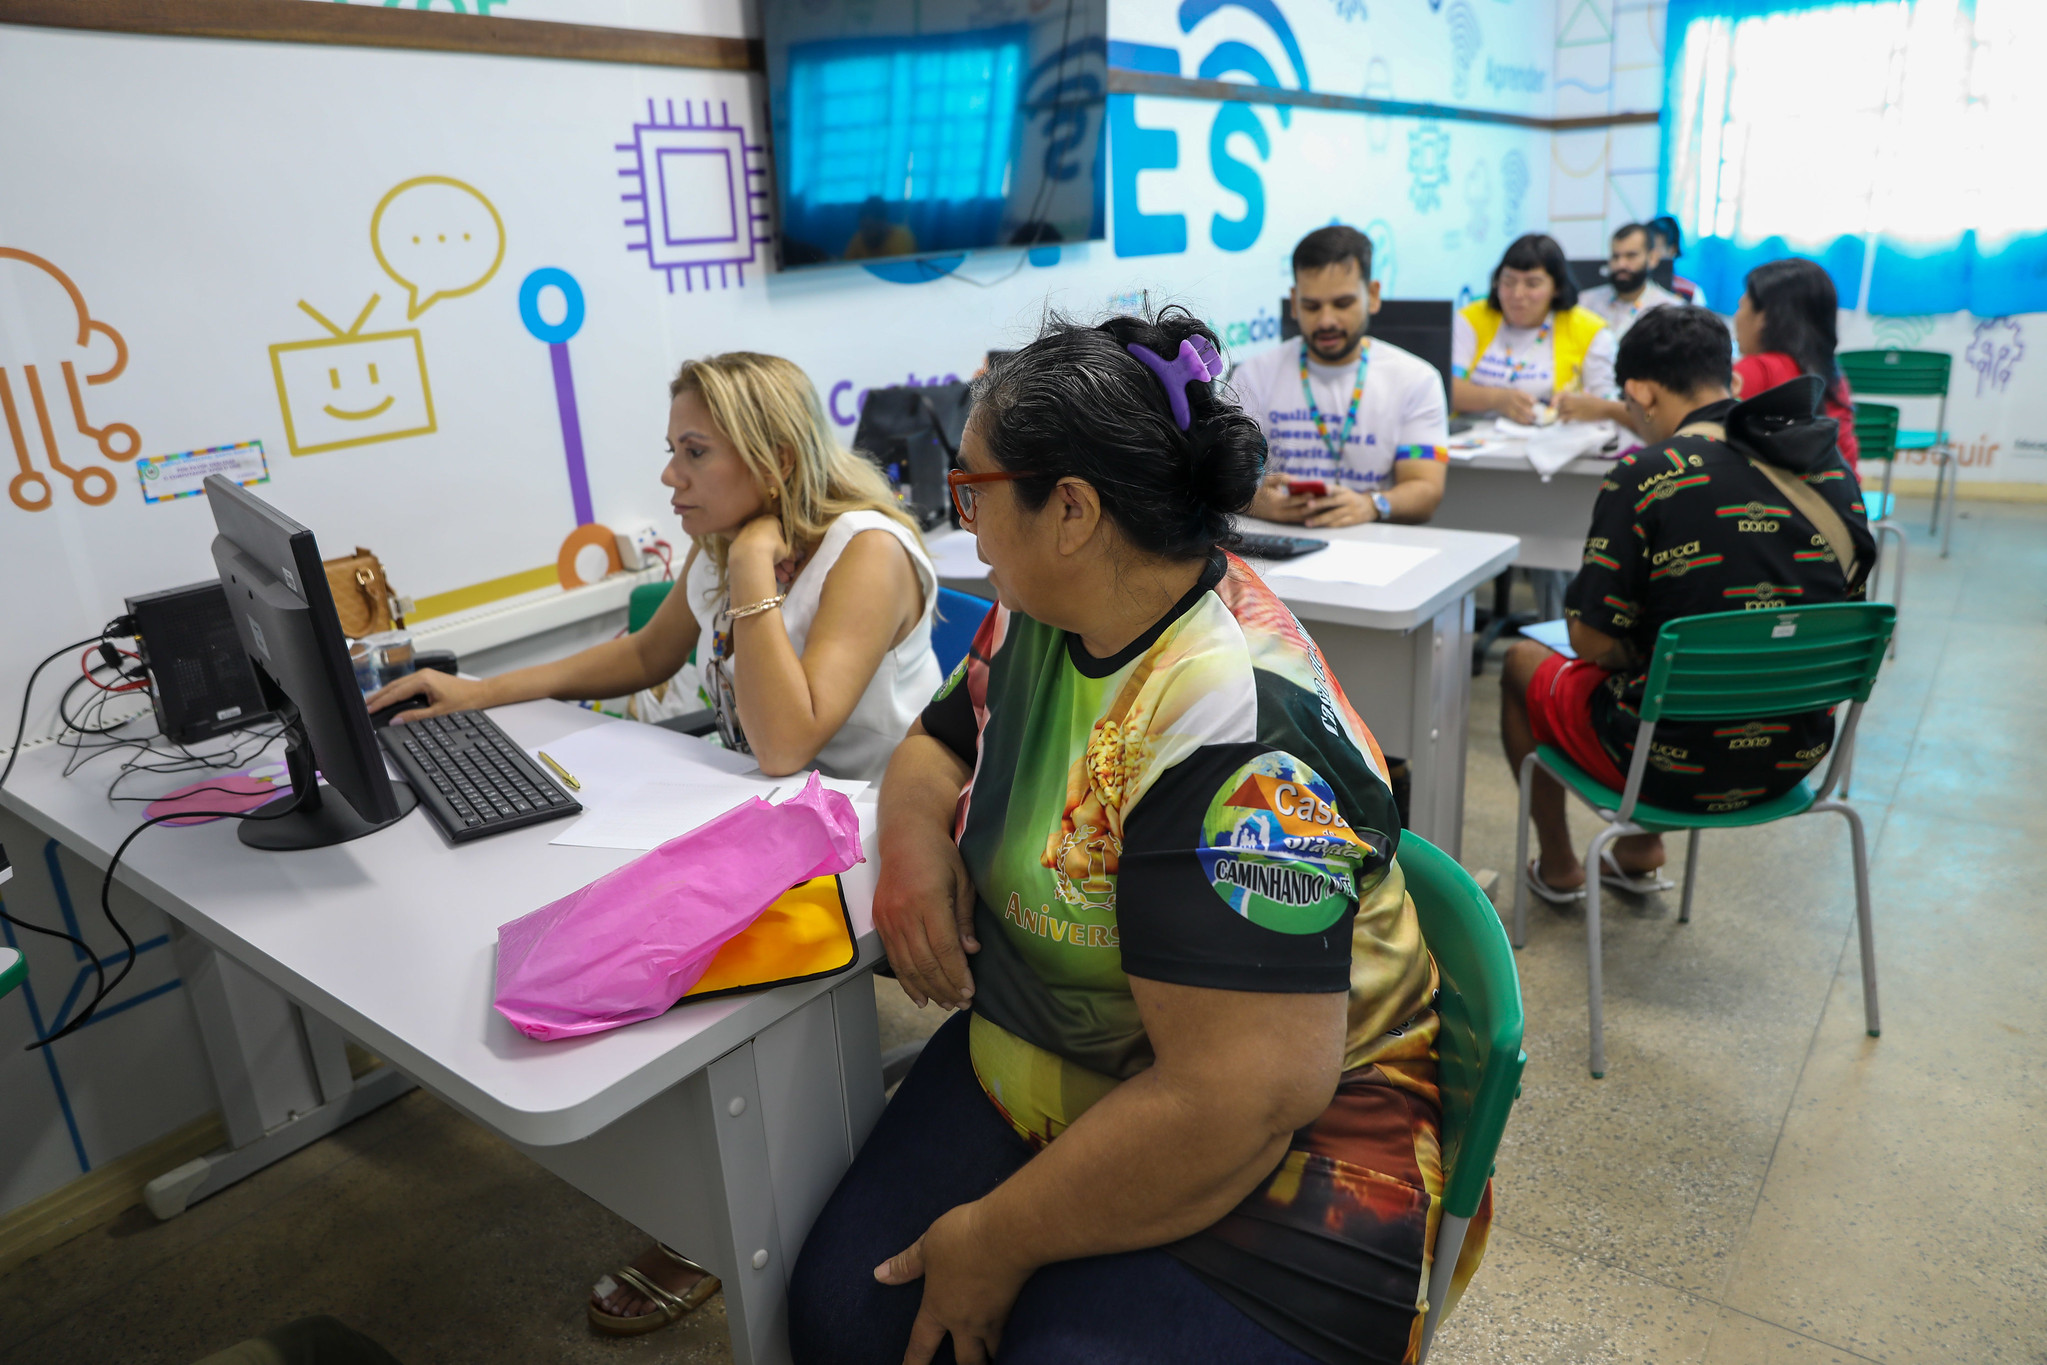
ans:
x=1278 y=851
x=959 y=671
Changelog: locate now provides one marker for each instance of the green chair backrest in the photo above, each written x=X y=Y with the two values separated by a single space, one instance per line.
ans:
x=1898 y=374
x=1740 y=665
x=645 y=601
x=1876 y=430
x=1479 y=1046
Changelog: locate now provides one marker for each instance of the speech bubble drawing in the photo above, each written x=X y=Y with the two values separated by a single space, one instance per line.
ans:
x=437 y=237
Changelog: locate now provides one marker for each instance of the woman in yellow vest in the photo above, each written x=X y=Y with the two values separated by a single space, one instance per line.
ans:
x=1529 y=346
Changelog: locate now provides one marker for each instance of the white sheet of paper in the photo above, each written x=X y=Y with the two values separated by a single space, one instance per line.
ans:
x=650 y=814
x=1363 y=562
x=610 y=758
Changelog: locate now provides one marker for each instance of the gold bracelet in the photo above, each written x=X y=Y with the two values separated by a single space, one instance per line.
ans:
x=756 y=608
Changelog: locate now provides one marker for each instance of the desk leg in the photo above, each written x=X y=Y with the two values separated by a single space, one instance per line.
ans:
x=281 y=1072
x=1441 y=698
x=731 y=1166
x=1414 y=691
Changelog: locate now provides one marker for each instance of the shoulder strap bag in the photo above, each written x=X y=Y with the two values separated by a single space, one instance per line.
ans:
x=1800 y=494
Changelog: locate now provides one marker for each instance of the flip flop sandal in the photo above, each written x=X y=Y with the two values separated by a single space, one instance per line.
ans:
x=1641 y=884
x=667 y=1307
x=1543 y=889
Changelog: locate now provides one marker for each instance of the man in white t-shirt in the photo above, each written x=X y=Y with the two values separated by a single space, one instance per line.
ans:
x=1629 y=292
x=1356 y=430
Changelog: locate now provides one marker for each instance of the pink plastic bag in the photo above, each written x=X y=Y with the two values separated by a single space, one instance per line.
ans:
x=631 y=943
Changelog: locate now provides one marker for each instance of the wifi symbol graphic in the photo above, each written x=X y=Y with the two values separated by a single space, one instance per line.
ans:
x=1465 y=42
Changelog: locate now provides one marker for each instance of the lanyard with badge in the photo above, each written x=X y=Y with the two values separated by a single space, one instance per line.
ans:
x=1357 y=392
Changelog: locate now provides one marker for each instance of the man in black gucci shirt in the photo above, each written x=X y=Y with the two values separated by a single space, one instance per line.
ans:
x=1688 y=525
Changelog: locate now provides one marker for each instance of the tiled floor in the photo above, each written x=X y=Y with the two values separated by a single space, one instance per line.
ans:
x=1755 y=1182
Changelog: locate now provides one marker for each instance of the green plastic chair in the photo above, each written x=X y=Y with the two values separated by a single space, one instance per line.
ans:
x=1479 y=1056
x=644 y=602
x=1728 y=666
x=1893 y=373
x=1876 y=432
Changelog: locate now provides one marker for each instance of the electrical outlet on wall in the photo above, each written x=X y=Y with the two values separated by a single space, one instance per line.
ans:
x=636 y=547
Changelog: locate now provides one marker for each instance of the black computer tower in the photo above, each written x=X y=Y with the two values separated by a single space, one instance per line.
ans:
x=201 y=683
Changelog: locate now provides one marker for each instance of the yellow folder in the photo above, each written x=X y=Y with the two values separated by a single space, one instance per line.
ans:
x=806 y=934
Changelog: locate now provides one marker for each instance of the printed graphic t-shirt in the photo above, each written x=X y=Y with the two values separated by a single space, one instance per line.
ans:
x=1525 y=358
x=1401 y=414
x=1686 y=528
x=1203 y=808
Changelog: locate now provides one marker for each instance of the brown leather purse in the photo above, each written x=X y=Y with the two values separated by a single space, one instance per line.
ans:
x=363 y=597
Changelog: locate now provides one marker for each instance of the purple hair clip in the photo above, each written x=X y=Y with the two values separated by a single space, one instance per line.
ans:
x=1197 y=363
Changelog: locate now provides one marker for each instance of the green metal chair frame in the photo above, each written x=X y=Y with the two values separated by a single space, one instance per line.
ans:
x=1728 y=666
x=1895 y=373
x=1479 y=1056
x=1876 y=432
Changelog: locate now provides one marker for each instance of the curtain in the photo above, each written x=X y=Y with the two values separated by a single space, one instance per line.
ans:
x=1893 y=141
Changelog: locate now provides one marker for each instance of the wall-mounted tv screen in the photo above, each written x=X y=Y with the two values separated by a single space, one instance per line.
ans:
x=910 y=128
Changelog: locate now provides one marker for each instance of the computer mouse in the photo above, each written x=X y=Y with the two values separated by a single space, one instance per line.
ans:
x=417 y=702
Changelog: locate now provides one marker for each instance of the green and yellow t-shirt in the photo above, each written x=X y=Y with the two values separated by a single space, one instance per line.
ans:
x=1203 y=808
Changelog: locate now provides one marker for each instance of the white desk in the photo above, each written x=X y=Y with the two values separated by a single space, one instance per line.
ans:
x=719 y=1128
x=1400 y=651
x=1504 y=494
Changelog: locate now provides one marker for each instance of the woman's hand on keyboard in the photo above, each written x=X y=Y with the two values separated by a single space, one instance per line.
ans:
x=444 y=693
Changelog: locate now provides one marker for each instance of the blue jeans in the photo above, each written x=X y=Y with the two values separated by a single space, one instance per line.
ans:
x=940 y=1144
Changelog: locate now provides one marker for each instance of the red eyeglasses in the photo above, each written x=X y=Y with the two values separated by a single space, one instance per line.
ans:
x=962 y=485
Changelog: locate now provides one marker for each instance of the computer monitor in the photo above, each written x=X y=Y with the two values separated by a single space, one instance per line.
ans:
x=1588 y=274
x=277 y=593
x=912 y=431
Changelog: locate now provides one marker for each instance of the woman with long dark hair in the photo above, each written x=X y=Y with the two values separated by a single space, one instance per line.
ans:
x=1785 y=326
x=1188 y=1110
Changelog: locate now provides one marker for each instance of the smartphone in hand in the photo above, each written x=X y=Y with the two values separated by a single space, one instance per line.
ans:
x=1307 y=488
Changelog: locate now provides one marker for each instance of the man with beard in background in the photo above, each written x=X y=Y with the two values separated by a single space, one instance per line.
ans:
x=1356 y=430
x=1628 y=292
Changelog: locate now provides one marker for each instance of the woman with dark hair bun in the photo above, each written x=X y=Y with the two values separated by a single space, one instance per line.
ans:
x=1141 y=840
x=1528 y=345
x=1785 y=326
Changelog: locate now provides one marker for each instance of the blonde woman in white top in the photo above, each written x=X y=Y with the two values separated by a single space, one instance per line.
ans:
x=807 y=594
x=808 y=598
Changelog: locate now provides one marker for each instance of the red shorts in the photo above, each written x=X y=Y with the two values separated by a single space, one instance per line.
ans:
x=1560 y=713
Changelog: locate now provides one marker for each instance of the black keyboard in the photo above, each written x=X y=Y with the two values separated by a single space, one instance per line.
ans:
x=472 y=776
x=1257 y=546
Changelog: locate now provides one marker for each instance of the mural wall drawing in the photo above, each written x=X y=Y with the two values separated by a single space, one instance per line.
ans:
x=698 y=196
x=437 y=238
x=352 y=388
x=49 y=336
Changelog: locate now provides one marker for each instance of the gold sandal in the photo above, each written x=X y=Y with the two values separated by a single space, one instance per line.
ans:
x=667 y=1307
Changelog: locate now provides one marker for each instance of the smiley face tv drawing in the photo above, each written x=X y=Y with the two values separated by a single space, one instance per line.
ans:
x=352 y=388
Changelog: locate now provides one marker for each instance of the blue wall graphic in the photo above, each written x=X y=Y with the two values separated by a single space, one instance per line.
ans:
x=1135 y=148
